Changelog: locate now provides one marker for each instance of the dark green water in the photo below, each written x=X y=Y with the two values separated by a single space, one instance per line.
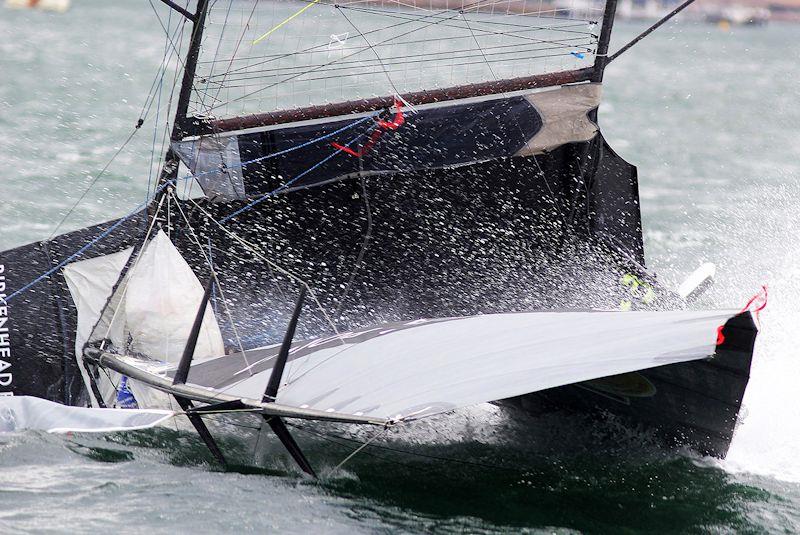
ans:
x=710 y=118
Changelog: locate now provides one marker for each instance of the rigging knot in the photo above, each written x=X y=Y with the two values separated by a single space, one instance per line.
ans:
x=381 y=126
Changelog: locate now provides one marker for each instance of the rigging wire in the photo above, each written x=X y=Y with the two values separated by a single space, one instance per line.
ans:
x=365 y=63
x=311 y=4
x=127 y=278
x=253 y=249
x=314 y=49
x=360 y=448
x=311 y=49
x=429 y=24
x=93 y=182
x=238 y=44
x=160 y=188
x=476 y=62
x=490 y=32
x=377 y=56
x=143 y=114
x=163 y=69
x=216 y=278
x=430 y=18
x=333 y=438
x=82 y=249
x=483 y=52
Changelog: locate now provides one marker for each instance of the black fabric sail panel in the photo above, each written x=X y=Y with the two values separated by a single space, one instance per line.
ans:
x=428 y=139
x=37 y=336
x=509 y=234
x=615 y=203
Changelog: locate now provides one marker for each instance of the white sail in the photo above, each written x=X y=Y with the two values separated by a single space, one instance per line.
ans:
x=19 y=413
x=417 y=369
x=161 y=302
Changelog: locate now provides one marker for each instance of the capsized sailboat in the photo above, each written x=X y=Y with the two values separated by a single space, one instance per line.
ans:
x=468 y=237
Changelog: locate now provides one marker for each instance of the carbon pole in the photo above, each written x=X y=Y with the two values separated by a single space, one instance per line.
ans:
x=201 y=428
x=180 y=10
x=601 y=58
x=279 y=428
x=191 y=343
x=283 y=355
x=275 y=422
x=650 y=30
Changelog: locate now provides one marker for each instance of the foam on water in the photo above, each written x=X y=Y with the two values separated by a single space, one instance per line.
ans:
x=767 y=440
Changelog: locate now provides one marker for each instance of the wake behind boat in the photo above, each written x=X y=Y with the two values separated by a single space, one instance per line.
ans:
x=381 y=259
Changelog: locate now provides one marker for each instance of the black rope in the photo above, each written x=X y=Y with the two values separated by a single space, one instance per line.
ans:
x=361 y=74
x=312 y=50
x=416 y=58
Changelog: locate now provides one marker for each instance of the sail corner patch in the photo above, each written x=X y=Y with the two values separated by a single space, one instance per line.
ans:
x=565 y=115
x=215 y=163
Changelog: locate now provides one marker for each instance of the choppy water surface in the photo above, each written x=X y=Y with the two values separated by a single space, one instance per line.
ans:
x=709 y=116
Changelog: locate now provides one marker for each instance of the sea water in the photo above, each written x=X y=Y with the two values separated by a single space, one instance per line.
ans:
x=710 y=117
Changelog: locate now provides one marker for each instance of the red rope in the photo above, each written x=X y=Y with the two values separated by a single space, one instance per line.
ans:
x=758 y=302
x=380 y=127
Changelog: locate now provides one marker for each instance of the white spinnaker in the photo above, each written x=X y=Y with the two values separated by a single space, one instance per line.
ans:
x=18 y=413
x=90 y=283
x=161 y=297
x=432 y=368
x=161 y=302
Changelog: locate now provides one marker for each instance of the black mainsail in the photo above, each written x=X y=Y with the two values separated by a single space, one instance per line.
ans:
x=413 y=200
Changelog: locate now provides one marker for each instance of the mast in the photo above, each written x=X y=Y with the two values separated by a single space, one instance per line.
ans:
x=601 y=58
x=169 y=171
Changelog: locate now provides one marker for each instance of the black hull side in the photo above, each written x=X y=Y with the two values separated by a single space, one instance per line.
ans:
x=510 y=234
x=693 y=404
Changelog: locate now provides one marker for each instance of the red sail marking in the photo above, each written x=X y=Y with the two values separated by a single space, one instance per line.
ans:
x=720 y=336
